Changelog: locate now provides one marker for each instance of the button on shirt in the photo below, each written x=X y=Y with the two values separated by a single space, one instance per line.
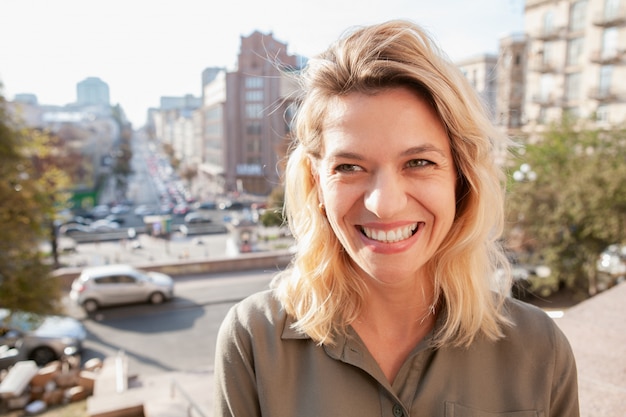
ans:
x=263 y=367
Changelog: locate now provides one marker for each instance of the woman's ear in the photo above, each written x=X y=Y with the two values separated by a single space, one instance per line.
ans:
x=314 y=167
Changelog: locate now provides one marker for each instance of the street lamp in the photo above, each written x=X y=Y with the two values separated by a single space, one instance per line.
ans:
x=524 y=173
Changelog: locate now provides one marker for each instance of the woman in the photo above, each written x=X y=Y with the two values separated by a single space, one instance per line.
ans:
x=390 y=306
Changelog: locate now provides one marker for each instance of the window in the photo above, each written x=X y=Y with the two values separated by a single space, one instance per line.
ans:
x=548 y=54
x=546 y=87
x=577 y=16
x=602 y=113
x=254 y=110
x=609 y=43
x=254 y=146
x=606 y=73
x=574 y=51
x=253 y=128
x=572 y=86
x=548 y=23
x=254 y=95
x=611 y=9
x=126 y=279
x=254 y=82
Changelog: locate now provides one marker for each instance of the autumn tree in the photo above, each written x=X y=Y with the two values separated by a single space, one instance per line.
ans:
x=28 y=188
x=569 y=199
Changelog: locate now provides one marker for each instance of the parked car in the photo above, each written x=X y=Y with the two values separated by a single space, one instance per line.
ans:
x=72 y=229
x=530 y=279
x=197 y=218
x=611 y=267
x=100 y=211
x=181 y=209
x=41 y=338
x=206 y=205
x=108 y=285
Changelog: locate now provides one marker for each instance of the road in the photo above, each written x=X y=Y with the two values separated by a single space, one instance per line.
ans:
x=175 y=336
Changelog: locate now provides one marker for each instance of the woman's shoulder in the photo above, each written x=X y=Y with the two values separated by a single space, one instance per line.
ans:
x=262 y=306
x=530 y=323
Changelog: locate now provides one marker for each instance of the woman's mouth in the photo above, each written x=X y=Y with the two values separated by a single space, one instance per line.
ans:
x=391 y=236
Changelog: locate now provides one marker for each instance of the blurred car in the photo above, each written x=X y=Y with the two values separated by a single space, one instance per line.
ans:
x=109 y=285
x=611 y=267
x=144 y=210
x=181 y=209
x=72 y=229
x=77 y=220
x=100 y=211
x=232 y=205
x=41 y=338
x=530 y=279
x=197 y=218
x=115 y=218
x=120 y=209
x=104 y=226
x=206 y=205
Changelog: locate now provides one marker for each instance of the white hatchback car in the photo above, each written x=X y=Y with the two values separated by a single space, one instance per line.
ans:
x=108 y=285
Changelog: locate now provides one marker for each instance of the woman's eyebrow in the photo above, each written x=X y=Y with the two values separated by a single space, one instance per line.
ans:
x=346 y=155
x=422 y=149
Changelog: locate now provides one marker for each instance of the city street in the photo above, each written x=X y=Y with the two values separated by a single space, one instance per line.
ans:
x=177 y=336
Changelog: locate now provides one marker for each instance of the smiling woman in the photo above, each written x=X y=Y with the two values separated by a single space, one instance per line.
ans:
x=390 y=304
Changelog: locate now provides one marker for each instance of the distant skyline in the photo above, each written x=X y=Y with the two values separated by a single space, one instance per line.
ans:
x=145 y=49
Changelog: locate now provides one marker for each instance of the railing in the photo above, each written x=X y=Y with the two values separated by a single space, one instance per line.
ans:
x=191 y=404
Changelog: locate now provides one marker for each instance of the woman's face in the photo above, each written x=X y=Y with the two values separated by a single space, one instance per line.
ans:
x=387 y=180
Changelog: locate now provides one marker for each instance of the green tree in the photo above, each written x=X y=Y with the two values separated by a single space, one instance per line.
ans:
x=273 y=216
x=26 y=213
x=574 y=205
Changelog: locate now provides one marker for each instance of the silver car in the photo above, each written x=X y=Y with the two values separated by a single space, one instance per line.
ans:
x=41 y=338
x=108 y=285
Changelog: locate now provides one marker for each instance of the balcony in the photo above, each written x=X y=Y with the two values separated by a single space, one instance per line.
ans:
x=544 y=66
x=547 y=100
x=616 y=18
x=607 y=57
x=549 y=34
x=606 y=94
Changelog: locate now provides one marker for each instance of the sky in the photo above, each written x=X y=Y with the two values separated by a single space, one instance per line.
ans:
x=146 y=49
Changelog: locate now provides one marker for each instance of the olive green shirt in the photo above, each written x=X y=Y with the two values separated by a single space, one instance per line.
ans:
x=265 y=368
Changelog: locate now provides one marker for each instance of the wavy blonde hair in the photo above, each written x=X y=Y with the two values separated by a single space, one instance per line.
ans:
x=320 y=288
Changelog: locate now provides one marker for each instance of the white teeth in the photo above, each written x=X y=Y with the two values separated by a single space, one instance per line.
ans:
x=392 y=235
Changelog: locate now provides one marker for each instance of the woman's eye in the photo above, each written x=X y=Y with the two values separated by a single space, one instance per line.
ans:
x=418 y=163
x=347 y=168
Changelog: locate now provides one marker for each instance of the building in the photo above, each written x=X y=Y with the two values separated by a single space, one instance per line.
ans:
x=576 y=61
x=481 y=73
x=511 y=82
x=92 y=91
x=246 y=117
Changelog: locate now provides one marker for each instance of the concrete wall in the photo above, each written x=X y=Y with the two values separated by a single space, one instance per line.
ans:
x=249 y=261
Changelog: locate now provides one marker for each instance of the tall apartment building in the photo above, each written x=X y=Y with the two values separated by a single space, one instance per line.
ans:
x=246 y=118
x=576 y=61
x=92 y=91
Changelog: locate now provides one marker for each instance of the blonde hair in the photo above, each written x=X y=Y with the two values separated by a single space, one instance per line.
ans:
x=320 y=288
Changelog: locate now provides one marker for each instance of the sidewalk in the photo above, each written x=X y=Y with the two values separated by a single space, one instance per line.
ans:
x=146 y=250
x=596 y=329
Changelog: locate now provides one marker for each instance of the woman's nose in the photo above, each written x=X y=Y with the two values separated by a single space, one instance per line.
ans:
x=386 y=195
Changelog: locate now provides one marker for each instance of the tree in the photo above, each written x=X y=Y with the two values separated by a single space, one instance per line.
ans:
x=273 y=216
x=27 y=189
x=574 y=204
